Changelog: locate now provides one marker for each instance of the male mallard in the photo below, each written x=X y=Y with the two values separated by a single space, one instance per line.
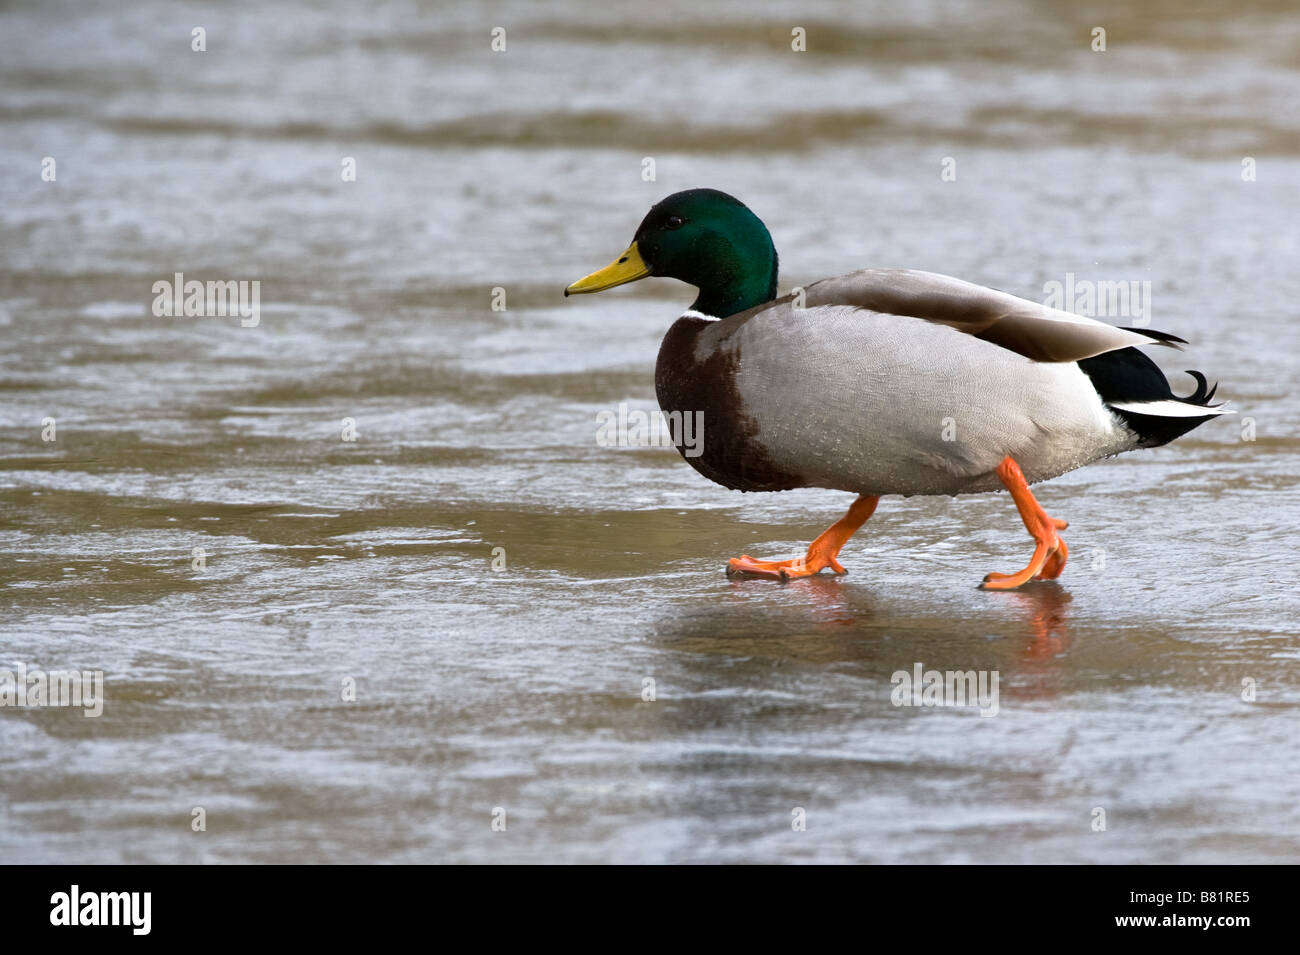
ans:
x=886 y=381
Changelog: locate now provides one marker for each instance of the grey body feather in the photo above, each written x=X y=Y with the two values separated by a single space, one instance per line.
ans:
x=909 y=400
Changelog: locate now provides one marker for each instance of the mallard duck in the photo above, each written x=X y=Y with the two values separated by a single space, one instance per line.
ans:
x=886 y=381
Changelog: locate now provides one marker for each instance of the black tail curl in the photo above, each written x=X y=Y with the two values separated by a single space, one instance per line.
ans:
x=1203 y=393
x=1129 y=376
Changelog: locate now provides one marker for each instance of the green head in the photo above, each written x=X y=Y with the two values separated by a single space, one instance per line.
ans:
x=705 y=238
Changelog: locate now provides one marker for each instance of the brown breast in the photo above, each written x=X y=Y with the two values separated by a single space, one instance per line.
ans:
x=729 y=453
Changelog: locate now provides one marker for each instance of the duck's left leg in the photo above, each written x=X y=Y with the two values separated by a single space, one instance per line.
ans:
x=1050 y=553
x=821 y=552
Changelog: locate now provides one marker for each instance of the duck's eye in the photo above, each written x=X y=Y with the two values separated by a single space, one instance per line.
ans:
x=674 y=222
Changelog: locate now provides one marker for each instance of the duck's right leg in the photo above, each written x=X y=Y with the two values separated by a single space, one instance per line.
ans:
x=821 y=552
x=1050 y=553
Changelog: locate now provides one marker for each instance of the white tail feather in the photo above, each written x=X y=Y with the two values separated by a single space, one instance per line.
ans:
x=1168 y=408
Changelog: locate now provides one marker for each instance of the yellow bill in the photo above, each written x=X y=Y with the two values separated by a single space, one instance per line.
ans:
x=628 y=267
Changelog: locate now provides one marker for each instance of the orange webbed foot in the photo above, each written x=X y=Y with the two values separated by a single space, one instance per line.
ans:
x=822 y=552
x=792 y=569
x=1050 y=552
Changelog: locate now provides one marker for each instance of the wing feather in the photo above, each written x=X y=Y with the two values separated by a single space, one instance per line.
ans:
x=1027 y=328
